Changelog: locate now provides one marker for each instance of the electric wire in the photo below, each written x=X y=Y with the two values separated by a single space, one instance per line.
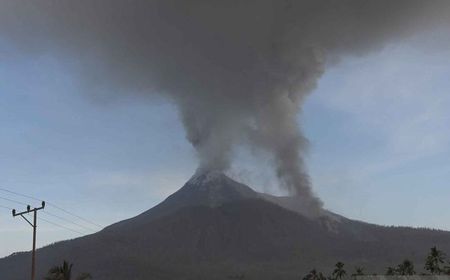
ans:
x=75 y=215
x=6 y=207
x=13 y=201
x=67 y=220
x=61 y=226
x=49 y=213
x=19 y=194
x=50 y=204
x=47 y=221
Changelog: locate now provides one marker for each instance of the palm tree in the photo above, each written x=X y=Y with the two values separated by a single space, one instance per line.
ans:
x=339 y=271
x=406 y=268
x=434 y=259
x=64 y=272
x=314 y=275
x=321 y=276
x=359 y=271
x=311 y=275
x=391 y=271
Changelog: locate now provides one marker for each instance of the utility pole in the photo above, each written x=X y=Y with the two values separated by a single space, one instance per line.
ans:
x=34 y=226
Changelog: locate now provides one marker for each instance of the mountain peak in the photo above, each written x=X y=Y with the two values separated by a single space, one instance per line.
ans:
x=205 y=177
x=209 y=188
x=213 y=188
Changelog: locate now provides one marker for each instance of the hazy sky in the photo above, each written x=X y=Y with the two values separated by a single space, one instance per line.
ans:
x=378 y=127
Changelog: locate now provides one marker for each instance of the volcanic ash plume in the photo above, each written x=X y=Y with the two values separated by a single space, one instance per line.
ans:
x=238 y=71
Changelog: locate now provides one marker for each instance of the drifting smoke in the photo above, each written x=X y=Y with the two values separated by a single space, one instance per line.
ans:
x=239 y=71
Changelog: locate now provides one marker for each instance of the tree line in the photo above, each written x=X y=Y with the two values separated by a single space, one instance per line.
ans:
x=435 y=264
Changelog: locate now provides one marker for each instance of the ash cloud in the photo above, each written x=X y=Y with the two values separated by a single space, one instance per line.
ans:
x=239 y=71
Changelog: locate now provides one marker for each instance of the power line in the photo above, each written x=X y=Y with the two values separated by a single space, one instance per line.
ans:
x=67 y=220
x=6 y=207
x=20 y=194
x=75 y=215
x=61 y=226
x=50 y=222
x=48 y=213
x=14 y=201
x=50 y=204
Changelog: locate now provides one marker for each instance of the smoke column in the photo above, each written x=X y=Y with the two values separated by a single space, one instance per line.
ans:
x=239 y=71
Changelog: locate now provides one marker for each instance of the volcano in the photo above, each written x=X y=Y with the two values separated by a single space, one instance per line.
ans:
x=217 y=228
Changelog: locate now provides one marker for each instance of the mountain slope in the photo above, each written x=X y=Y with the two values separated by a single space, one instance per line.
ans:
x=214 y=227
x=210 y=189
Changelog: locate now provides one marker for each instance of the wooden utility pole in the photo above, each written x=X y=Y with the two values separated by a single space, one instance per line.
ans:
x=34 y=226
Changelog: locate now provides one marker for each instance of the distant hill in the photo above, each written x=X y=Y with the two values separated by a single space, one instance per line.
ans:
x=215 y=228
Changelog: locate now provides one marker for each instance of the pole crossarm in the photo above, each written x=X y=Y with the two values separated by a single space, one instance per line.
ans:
x=29 y=210
x=34 y=226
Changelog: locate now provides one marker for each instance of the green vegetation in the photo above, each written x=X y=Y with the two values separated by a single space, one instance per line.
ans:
x=339 y=272
x=434 y=264
x=359 y=271
x=314 y=275
x=434 y=261
x=405 y=268
x=64 y=272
